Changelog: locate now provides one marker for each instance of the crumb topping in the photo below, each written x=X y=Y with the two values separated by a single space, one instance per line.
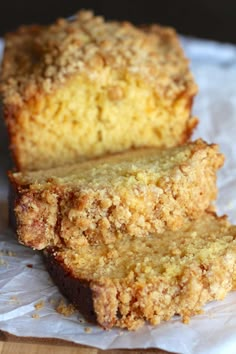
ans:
x=134 y=193
x=38 y=59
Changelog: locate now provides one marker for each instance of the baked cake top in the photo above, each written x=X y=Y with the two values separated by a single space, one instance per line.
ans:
x=39 y=58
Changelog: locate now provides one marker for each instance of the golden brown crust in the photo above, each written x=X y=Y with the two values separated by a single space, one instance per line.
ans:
x=133 y=280
x=37 y=59
x=134 y=193
x=63 y=79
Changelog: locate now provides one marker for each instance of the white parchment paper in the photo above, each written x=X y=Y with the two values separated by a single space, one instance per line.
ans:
x=21 y=287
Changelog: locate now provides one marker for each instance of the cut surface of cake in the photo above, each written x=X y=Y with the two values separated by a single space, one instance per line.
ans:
x=136 y=193
x=135 y=280
x=84 y=87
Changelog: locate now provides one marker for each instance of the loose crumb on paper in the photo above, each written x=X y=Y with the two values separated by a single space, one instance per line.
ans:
x=7 y=253
x=4 y=253
x=11 y=253
x=14 y=299
x=65 y=309
x=87 y=329
x=39 y=305
x=35 y=316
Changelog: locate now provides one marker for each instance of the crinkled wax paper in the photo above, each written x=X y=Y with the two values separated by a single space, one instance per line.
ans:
x=21 y=287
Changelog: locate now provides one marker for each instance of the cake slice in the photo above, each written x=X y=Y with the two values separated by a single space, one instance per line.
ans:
x=134 y=280
x=84 y=87
x=133 y=193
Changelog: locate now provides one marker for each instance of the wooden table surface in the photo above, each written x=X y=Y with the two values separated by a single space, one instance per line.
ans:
x=10 y=344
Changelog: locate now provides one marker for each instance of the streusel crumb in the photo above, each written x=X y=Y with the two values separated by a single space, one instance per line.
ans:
x=134 y=193
x=84 y=87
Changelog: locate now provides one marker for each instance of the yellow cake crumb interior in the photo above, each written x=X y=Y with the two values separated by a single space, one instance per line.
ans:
x=93 y=87
x=97 y=121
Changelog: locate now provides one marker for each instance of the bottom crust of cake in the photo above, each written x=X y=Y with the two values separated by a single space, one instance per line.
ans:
x=77 y=291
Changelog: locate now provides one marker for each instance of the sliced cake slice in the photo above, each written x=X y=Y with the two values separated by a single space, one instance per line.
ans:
x=132 y=280
x=78 y=88
x=133 y=193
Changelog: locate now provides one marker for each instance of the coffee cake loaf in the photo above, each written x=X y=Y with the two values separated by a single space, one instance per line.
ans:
x=136 y=193
x=134 y=280
x=84 y=87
